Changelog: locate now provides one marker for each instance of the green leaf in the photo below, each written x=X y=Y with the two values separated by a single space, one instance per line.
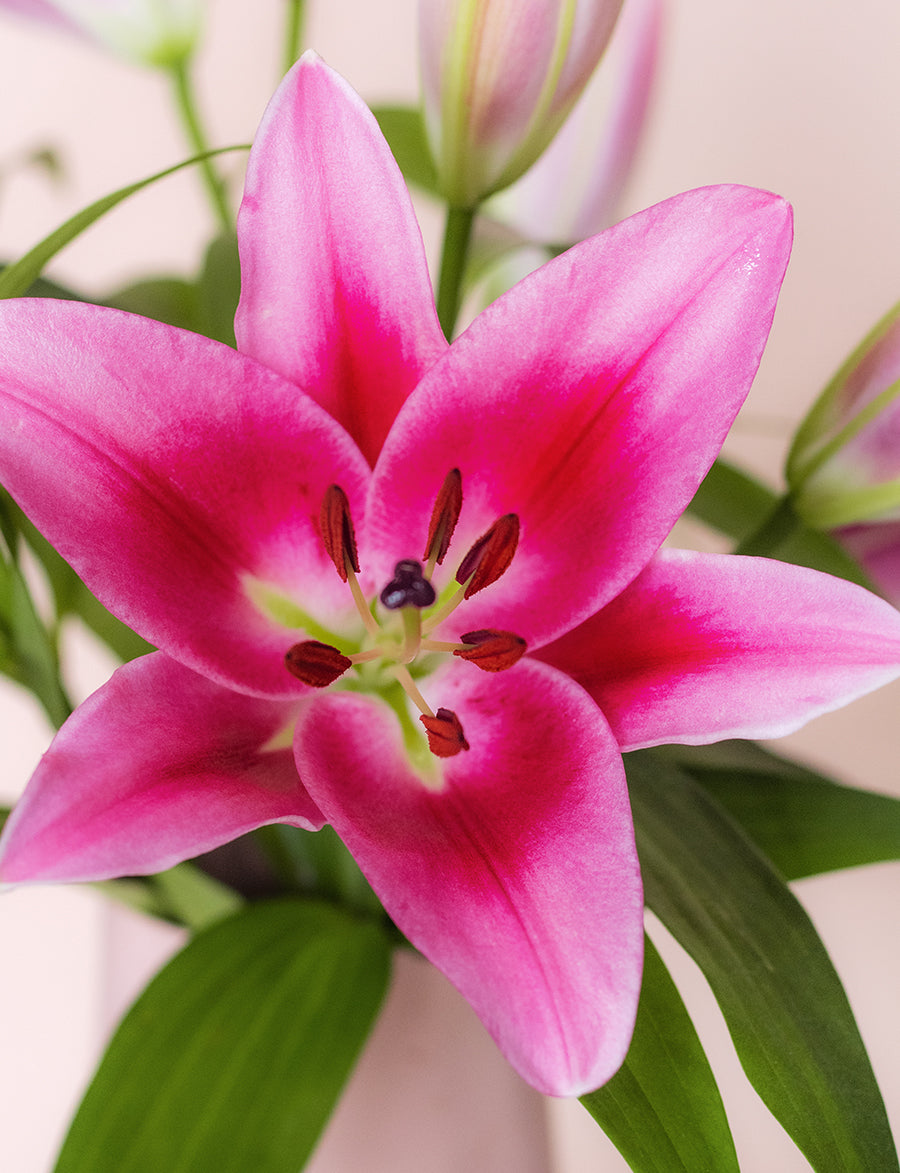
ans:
x=165 y=299
x=206 y=305
x=804 y=822
x=662 y=1109
x=70 y=594
x=737 y=505
x=194 y=898
x=219 y=290
x=16 y=278
x=233 y=1057
x=404 y=129
x=789 y=1018
x=27 y=650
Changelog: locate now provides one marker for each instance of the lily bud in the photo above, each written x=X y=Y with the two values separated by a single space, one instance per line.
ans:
x=593 y=153
x=499 y=80
x=844 y=465
x=149 y=32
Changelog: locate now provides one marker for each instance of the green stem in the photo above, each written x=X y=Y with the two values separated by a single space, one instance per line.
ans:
x=293 y=37
x=187 y=108
x=457 y=238
x=777 y=526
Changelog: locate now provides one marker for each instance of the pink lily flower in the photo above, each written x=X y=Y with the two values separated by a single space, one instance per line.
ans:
x=344 y=538
x=151 y=32
x=498 y=81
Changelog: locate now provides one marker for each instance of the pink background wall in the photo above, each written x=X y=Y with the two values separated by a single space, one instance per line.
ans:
x=798 y=96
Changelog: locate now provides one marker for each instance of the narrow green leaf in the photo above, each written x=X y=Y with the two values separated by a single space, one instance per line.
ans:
x=205 y=305
x=233 y=1057
x=219 y=290
x=789 y=1018
x=736 y=504
x=71 y=596
x=662 y=1109
x=803 y=821
x=194 y=898
x=27 y=650
x=138 y=893
x=404 y=129
x=17 y=277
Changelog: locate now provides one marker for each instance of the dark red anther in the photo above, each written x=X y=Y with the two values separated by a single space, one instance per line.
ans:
x=492 y=651
x=337 y=530
x=315 y=663
x=444 y=517
x=490 y=556
x=445 y=734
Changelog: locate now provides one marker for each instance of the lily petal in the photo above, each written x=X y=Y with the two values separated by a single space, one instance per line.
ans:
x=335 y=288
x=157 y=766
x=516 y=875
x=703 y=647
x=590 y=400
x=172 y=473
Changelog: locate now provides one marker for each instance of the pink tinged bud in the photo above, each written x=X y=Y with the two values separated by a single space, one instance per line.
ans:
x=593 y=153
x=445 y=733
x=844 y=465
x=499 y=78
x=316 y=664
x=490 y=555
x=492 y=651
x=150 y=32
x=336 y=526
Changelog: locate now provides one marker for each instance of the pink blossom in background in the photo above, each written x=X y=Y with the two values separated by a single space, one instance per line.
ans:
x=561 y=435
x=498 y=80
x=152 y=32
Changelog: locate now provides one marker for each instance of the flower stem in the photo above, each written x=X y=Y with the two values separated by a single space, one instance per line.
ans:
x=187 y=108
x=776 y=527
x=457 y=238
x=293 y=37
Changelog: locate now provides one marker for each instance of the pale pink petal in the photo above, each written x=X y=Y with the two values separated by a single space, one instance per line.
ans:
x=517 y=876
x=590 y=400
x=41 y=10
x=335 y=292
x=154 y=32
x=173 y=473
x=158 y=766
x=703 y=647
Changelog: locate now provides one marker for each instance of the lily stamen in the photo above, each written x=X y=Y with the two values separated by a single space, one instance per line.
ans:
x=444 y=517
x=490 y=556
x=437 y=618
x=339 y=540
x=406 y=682
x=445 y=733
